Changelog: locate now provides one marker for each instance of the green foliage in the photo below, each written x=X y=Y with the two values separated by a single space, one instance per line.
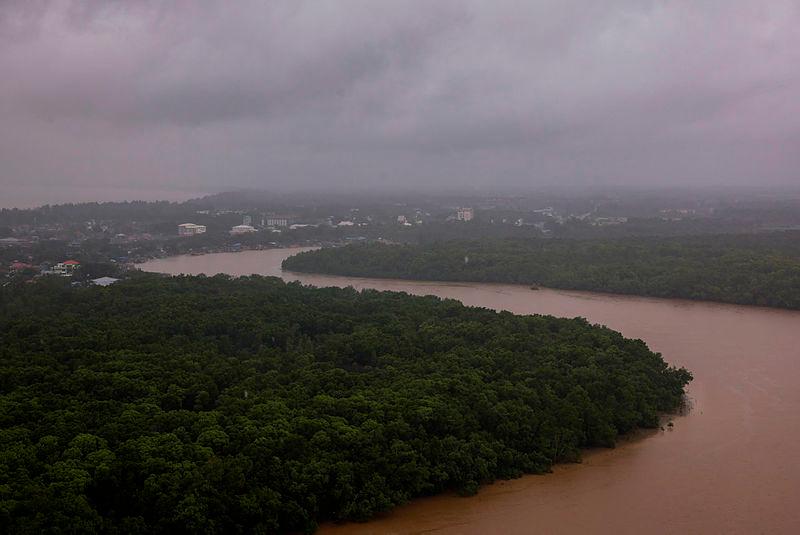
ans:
x=744 y=269
x=194 y=404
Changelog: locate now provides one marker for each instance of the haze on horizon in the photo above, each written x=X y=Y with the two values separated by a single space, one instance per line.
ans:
x=154 y=96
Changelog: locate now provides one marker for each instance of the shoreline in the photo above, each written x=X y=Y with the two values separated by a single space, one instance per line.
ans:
x=595 y=457
x=589 y=457
x=744 y=393
x=582 y=294
x=539 y=287
x=242 y=249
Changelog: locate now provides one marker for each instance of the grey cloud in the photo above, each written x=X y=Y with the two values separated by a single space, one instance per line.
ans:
x=380 y=94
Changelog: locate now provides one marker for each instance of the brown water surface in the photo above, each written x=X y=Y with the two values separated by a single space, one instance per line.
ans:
x=730 y=466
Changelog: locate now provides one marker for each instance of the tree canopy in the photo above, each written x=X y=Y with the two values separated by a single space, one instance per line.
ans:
x=195 y=404
x=759 y=269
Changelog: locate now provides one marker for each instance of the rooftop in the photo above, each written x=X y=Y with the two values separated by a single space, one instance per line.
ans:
x=104 y=281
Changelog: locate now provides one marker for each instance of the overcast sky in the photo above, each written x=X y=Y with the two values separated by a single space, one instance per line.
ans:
x=196 y=96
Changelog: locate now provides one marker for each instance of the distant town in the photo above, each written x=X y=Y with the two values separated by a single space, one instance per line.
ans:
x=96 y=243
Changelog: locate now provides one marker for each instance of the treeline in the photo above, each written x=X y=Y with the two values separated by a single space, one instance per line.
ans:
x=109 y=211
x=756 y=269
x=194 y=404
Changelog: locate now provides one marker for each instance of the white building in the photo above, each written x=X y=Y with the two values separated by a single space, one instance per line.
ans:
x=247 y=220
x=465 y=214
x=277 y=221
x=242 y=229
x=66 y=268
x=104 y=281
x=190 y=229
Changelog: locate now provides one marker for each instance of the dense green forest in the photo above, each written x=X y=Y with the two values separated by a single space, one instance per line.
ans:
x=195 y=404
x=757 y=269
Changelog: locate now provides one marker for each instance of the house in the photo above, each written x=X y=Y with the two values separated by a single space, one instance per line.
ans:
x=20 y=266
x=104 y=281
x=66 y=268
x=242 y=229
x=190 y=229
x=465 y=214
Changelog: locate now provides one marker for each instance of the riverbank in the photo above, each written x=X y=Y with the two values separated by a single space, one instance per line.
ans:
x=226 y=249
x=248 y=262
x=337 y=404
x=744 y=270
x=707 y=475
x=497 y=502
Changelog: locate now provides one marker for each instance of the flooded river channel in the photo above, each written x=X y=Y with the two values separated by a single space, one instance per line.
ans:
x=730 y=466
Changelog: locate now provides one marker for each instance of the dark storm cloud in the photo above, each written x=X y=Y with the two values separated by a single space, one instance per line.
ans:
x=398 y=94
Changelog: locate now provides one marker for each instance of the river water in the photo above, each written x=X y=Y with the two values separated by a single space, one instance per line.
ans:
x=730 y=466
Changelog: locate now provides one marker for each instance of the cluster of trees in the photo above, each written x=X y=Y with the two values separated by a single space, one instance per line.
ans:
x=189 y=404
x=754 y=269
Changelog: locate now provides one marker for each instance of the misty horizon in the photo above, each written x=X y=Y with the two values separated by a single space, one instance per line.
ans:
x=35 y=197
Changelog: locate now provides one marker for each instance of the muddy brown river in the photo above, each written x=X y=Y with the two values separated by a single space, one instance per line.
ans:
x=732 y=465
